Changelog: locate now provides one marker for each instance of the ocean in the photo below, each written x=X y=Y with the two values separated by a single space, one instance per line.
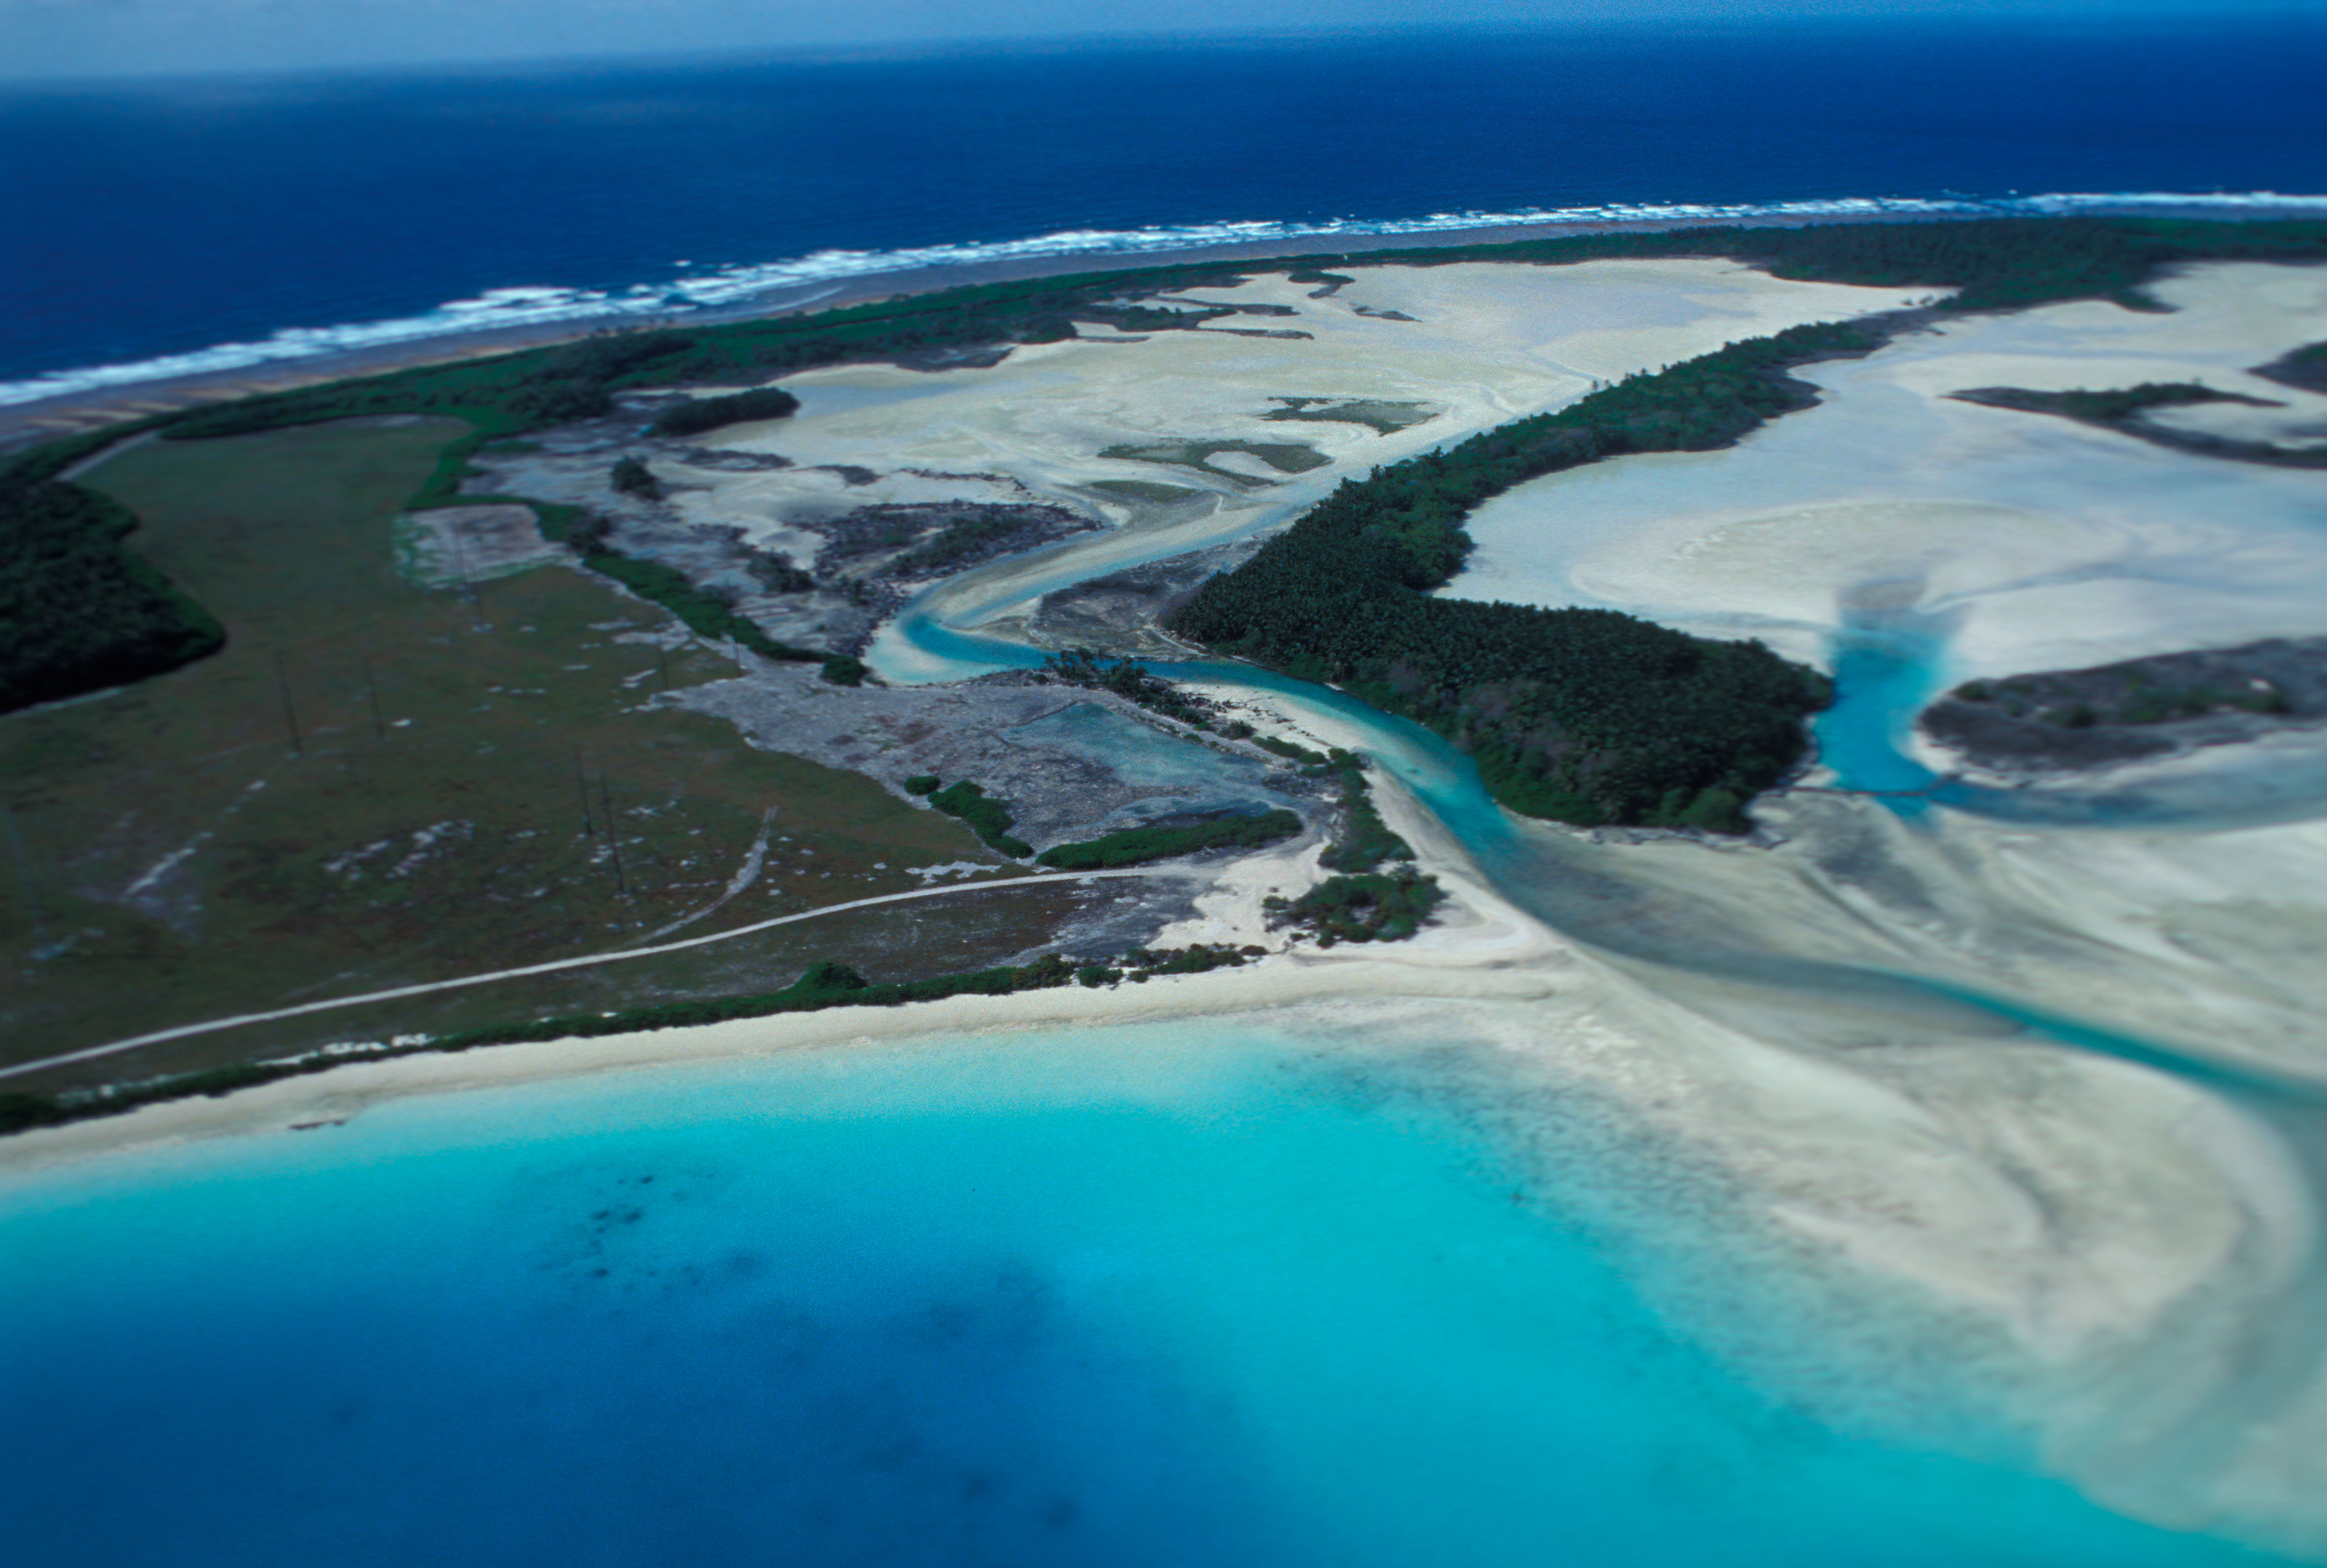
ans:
x=1223 y=1294
x=178 y=227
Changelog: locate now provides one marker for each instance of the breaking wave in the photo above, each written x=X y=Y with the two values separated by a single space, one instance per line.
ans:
x=809 y=279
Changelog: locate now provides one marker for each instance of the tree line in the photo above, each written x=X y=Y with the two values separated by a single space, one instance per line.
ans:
x=78 y=610
x=1585 y=716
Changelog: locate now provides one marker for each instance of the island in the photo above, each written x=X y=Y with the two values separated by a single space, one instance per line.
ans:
x=1842 y=701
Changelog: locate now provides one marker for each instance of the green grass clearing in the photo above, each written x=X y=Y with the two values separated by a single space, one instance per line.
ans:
x=188 y=859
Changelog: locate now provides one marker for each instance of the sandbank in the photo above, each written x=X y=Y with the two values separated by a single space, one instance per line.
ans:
x=1471 y=345
x=2016 y=541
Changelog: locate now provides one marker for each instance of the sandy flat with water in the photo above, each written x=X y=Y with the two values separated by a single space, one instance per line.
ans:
x=2115 y=1250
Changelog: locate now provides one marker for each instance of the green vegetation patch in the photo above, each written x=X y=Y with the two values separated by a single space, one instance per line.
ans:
x=1143 y=489
x=987 y=816
x=1365 y=907
x=1381 y=417
x=1144 y=964
x=78 y=611
x=1365 y=840
x=634 y=478
x=1292 y=753
x=956 y=541
x=707 y=611
x=702 y=414
x=1585 y=716
x=2305 y=368
x=1139 y=846
x=2110 y=407
x=1127 y=677
x=1283 y=456
x=1992 y=264
x=1362 y=908
x=2121 y=410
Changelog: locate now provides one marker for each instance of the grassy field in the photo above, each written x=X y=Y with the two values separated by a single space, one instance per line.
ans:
x=377 y=784
x=943 y=935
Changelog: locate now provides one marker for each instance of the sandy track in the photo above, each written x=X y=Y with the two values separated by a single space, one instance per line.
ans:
x=212 y=1026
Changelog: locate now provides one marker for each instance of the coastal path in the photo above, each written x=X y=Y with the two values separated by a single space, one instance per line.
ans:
x=213 y=1025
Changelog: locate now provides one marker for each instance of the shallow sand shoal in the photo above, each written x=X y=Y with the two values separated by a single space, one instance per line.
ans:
x=1204 y=417
x=2011 y=541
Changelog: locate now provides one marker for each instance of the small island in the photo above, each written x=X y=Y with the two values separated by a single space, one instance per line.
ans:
x=2135 y=710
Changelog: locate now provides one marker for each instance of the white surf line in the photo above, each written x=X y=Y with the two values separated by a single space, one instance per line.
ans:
x=184 y=1030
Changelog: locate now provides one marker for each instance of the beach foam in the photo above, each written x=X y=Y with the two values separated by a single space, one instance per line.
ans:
x=804 y=281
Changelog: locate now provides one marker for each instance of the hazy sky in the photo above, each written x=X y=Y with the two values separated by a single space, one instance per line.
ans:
x=73 y=38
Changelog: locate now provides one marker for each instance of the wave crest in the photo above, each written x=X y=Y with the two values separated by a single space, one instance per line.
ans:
x=730 y=288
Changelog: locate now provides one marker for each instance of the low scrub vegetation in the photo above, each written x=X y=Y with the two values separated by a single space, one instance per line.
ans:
x=705 y=611
x=1364 y=908
x=702 y=414
x=987 y=816
x=1127 y=677
x=1139 y=846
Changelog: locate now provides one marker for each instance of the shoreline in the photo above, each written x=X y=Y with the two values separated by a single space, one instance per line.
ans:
x=29 y=424
x=1487 y=949
x=1479 y=947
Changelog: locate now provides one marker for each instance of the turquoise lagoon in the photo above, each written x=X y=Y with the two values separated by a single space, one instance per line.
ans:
x=1226 y=1293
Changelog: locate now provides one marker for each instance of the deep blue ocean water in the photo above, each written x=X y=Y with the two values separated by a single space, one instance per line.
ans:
x=1194 y=1294
x=171 y=219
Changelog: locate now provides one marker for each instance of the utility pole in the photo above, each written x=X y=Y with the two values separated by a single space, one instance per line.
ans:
x=582 y=783
x=24 y=870
x=468 y=582
x=613 y=839
x=379 y=725
x=290 y=715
